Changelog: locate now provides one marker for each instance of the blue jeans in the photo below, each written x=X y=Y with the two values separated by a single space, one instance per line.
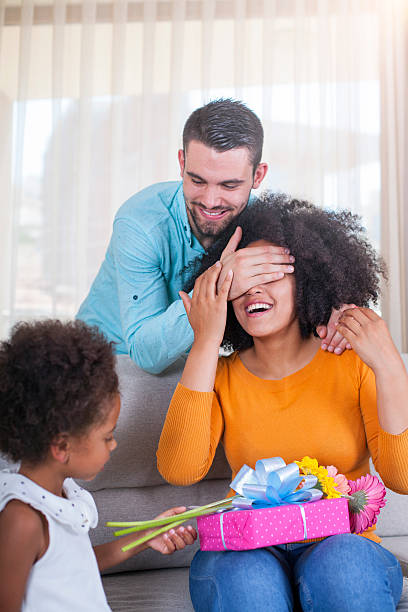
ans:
x=339 y=574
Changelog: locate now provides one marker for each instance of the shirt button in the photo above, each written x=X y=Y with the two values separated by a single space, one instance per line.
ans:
x=135 y=297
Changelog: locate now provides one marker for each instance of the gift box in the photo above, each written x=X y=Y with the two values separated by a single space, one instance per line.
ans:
x=257 y=528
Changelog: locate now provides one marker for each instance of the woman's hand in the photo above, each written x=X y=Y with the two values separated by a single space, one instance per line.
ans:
x=370 y=338
x=207 y=313
x=207 y=309
x=174 y=539
x=368 y=335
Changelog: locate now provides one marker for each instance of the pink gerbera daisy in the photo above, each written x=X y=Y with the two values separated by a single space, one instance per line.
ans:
x=367 y=496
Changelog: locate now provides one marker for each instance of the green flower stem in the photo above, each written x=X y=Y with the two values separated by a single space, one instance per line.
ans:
x=139 y=525
x=176 y=518
x=169 y=522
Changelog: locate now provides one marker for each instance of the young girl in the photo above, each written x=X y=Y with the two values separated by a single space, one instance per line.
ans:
x=59 y=404
x=279 y=395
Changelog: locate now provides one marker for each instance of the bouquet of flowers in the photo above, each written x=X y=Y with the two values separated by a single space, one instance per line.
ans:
x=273 y=484
x=366 y=495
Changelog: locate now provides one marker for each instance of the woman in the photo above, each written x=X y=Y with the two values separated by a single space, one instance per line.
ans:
x=277 y=394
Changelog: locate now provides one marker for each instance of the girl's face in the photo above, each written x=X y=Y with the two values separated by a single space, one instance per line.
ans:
x=269 y=309
x=89 y=453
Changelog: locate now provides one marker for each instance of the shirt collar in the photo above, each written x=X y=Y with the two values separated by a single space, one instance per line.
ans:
x=185 y=225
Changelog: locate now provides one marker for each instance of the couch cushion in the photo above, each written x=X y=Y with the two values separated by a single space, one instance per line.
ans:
x=403 y=604
x=150 y=591
x=398 y=545
x=145 y=399
x=393 y=518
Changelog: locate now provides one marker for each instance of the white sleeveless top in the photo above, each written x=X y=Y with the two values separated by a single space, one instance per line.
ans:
x=66 y=578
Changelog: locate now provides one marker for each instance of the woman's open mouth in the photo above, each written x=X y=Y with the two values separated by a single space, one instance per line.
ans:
x=257 y=309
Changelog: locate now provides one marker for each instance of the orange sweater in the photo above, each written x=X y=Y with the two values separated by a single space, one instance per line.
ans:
x=326 y=410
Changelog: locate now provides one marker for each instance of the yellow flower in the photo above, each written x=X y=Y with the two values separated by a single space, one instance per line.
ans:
x=310 y=466
x=326 y=483
x=329 y=488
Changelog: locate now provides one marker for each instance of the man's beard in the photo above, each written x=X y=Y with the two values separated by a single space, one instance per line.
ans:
x=208 y=229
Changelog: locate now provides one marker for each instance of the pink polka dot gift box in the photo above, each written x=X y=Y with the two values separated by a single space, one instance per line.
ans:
x=248 y=529
x=278 y=503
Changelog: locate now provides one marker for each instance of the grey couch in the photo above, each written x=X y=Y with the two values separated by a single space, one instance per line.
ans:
x=130 y=488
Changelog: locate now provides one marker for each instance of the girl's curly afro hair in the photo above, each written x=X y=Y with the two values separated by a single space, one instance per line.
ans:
x=54 y=378
x=335 y=264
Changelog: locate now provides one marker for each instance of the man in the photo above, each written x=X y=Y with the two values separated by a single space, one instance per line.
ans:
x=160 y=230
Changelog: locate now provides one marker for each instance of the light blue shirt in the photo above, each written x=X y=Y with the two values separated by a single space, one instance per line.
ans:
x=134 y=298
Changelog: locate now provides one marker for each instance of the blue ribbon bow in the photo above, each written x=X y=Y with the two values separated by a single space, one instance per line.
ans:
x=272 y=483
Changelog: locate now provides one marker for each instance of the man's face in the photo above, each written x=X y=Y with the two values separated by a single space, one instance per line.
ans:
x=216 y=187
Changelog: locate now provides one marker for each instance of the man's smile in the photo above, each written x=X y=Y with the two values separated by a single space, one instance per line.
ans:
x=212 y=214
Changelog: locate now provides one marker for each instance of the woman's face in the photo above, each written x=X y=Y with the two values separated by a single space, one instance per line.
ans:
x=268 y=309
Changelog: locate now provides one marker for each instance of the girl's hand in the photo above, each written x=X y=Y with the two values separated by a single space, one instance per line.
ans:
x=369 y=336
x=174 y=539
x=207 y=310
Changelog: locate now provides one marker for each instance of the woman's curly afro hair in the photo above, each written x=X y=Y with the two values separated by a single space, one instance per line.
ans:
x=54 y=378
x=335 y=264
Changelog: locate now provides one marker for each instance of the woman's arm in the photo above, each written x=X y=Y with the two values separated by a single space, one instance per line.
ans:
x=194 y=423
x=22 y=544
x=369 y=336
x=383 y=395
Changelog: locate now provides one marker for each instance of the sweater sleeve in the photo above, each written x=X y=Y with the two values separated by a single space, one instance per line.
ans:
x=191 y=432
x=389 y=452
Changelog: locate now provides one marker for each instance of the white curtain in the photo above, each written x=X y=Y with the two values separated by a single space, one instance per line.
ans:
x=94 y=96
x=394 y=163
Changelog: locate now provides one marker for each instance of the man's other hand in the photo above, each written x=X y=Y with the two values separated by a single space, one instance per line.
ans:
x=332 y=340
x=253 y=266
